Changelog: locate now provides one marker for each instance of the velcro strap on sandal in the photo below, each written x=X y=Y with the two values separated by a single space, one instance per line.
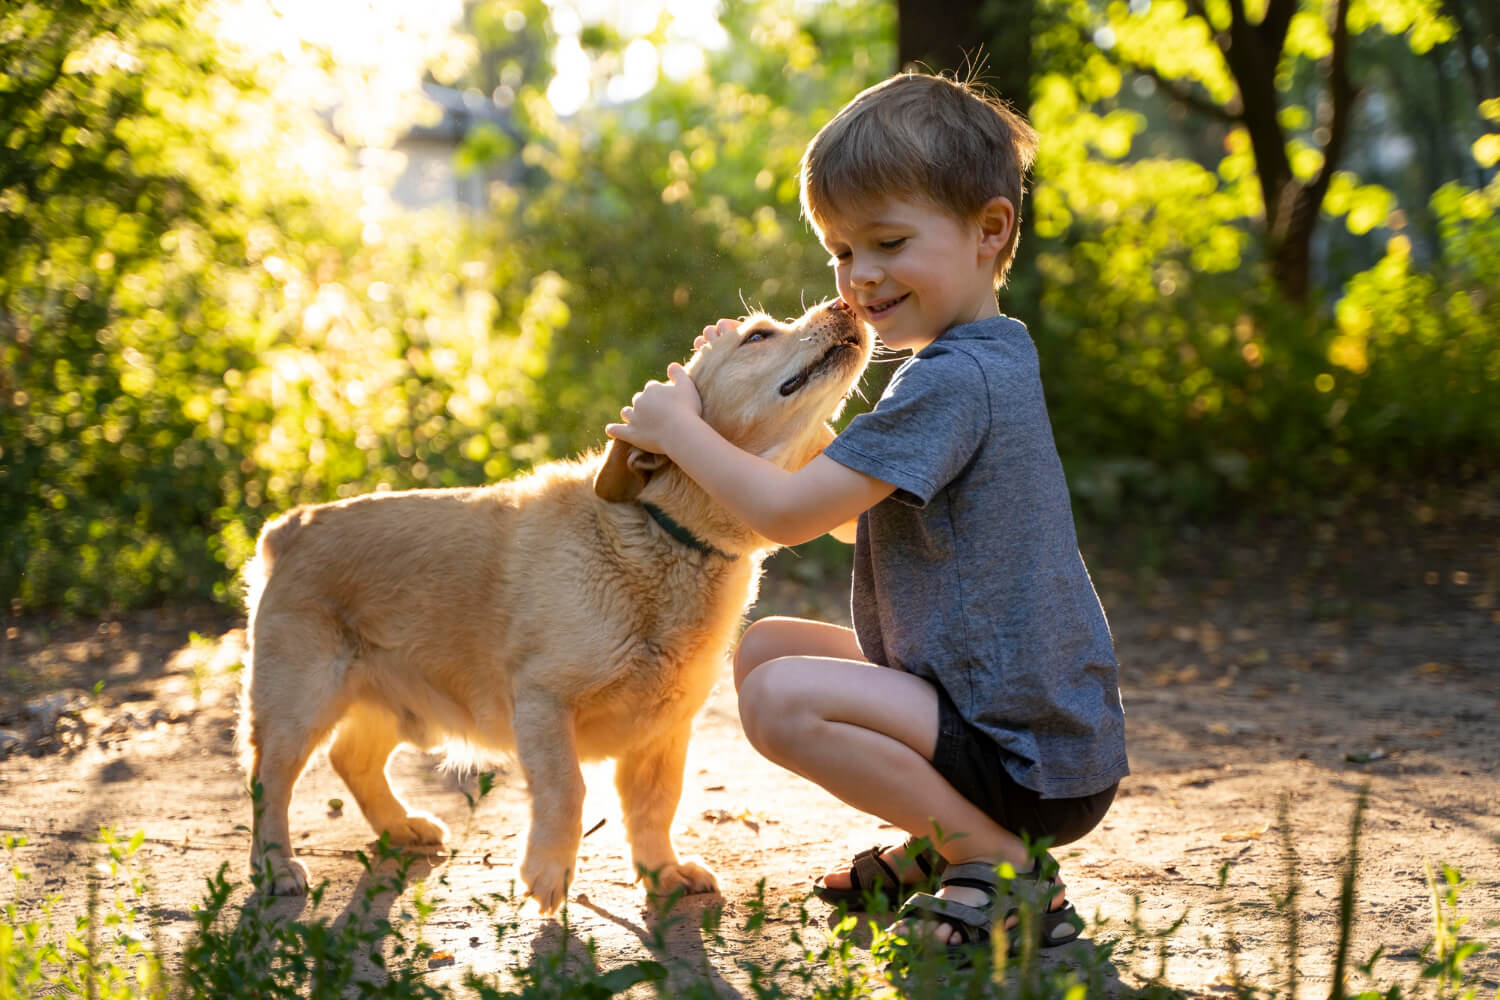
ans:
x=973 y=875
x=869 y=871
x=971 y=922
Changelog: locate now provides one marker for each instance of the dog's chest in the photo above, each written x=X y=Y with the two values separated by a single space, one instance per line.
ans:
x=664 y=664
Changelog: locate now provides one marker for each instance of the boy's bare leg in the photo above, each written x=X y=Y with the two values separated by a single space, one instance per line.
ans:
x=772 y=638
x=867 y=734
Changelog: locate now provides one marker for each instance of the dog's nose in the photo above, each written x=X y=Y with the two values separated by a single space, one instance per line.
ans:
x=840 y=305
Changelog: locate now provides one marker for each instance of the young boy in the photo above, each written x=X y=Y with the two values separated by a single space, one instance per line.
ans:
x=976 y=701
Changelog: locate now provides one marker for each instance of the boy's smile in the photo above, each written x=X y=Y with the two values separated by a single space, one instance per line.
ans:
x=912 y=270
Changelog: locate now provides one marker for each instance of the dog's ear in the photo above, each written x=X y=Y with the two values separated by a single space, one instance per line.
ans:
x=625 y=472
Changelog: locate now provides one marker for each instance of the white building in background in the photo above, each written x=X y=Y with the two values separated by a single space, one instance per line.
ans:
x=430 y=176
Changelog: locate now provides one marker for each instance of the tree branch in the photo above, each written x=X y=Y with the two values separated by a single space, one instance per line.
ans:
x=1342 y=94
x=1177 y=91
x=1273 y=28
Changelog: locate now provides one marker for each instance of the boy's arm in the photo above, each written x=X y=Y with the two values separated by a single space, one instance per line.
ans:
x=787 y=507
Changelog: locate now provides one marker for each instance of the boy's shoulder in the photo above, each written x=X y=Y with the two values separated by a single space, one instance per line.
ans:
x=994 y=328
x=997 y=345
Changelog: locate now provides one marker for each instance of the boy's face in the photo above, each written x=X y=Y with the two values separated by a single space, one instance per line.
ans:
x=912 y=270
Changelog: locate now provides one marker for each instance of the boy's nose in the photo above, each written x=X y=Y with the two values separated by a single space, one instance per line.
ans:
x=864 y=273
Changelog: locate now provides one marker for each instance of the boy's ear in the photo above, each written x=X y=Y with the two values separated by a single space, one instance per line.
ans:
x=625 y=472
x=997 y=217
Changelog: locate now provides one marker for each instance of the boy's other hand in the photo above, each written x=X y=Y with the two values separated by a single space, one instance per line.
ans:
x=713 y=333
x=658 y=410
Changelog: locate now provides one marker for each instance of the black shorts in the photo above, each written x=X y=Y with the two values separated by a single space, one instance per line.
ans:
x=974 y=764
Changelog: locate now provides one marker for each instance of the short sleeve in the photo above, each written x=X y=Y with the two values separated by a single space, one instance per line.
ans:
x=924 y=430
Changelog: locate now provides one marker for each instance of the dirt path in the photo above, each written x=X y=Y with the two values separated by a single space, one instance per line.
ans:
x=1257 y=677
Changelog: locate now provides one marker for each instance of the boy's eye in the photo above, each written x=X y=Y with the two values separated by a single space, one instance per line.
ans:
x=892 y=244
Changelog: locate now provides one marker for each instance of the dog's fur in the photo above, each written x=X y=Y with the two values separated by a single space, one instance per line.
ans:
x=549 y=615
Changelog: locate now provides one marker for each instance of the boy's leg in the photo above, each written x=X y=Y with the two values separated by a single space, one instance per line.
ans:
x=772 y=638
x=775 y=637
x=867 y=734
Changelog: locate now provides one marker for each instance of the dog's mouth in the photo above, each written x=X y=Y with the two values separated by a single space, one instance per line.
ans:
x=830 y=359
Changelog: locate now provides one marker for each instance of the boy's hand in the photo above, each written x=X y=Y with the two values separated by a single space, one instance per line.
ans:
x=657 y=411
x=713 y=333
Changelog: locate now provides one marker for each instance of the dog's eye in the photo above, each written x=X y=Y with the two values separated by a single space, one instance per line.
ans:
x=757 y=334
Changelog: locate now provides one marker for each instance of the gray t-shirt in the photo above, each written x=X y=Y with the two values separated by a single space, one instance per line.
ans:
x=969 y=574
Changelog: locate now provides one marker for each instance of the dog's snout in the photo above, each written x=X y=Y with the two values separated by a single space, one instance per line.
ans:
x=839 y=305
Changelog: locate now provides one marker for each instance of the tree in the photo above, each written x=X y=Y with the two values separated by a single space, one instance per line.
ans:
x=963 y=36
x=1256 y=67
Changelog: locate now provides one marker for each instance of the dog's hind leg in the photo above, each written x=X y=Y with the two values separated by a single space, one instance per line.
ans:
x=362 y=746
x=649 y=781
x=292 y=702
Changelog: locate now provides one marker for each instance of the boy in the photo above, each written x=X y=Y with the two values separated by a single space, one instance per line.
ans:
x=976 y=698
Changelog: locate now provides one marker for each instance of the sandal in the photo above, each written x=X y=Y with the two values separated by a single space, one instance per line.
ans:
x=975 y=924
x=873 y=882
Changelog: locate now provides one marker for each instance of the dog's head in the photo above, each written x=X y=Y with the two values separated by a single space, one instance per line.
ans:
x=770 y=388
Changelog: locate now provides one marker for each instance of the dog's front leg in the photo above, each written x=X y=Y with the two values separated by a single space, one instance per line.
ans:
x=549 y=758
x=649 y=780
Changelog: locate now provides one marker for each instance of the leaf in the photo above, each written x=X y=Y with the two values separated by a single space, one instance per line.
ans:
x=1487 y=150
x=1365 y=756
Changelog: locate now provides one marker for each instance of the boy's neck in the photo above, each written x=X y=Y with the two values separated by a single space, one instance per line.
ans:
x=990 y=309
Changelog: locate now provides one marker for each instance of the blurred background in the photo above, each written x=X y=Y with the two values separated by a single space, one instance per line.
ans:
x=255 y=253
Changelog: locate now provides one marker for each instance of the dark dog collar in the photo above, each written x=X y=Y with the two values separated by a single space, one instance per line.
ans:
x=683 y=535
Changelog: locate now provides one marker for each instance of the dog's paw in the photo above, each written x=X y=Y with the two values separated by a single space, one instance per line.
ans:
x=546 y=883
x=688 y=876
x=287 y=878
x=418 y=829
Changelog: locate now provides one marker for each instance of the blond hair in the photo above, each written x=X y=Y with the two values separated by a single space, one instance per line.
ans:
x=950 y=142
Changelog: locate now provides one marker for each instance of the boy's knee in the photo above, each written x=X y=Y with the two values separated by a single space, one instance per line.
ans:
x=753 y=650
x=767 y=714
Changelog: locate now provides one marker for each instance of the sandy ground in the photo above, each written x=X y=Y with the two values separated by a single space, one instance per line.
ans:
x=1267 y=679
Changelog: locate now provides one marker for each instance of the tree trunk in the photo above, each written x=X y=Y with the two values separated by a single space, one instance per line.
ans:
x=986 y=39
x=989 y=41
x=1252 y=50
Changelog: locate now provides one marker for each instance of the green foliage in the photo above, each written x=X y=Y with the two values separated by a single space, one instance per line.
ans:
x=1180 y=376
x=209 y=313
x=1416 y=350
x=189 y=349
x=663 y=215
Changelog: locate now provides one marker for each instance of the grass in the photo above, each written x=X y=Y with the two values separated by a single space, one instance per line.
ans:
x=245 y=949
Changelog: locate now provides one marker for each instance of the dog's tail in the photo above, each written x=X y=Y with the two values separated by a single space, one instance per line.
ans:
x=274 y=540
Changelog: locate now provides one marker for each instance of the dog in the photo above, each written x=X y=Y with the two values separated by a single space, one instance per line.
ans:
x=582 y=611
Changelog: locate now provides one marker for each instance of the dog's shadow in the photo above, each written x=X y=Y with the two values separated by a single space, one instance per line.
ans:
x=359 y=932
x=673 y=930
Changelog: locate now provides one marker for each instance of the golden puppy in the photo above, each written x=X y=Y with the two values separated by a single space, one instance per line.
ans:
x=579 y=612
